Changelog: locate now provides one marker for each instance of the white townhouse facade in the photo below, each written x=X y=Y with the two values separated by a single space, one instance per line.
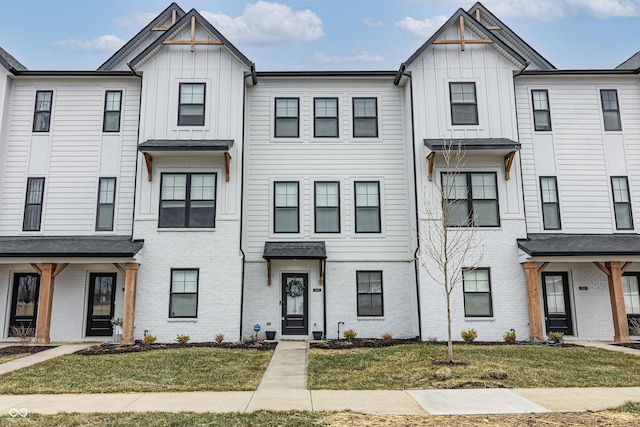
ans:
x=178 y=188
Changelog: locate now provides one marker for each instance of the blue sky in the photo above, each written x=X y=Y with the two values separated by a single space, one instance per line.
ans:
x=318 y=34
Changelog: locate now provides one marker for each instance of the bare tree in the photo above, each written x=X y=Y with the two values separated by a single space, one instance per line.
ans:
x=448 y=236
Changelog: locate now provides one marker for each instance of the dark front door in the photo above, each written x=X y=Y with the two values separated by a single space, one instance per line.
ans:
x=24 y=304
x=631 y=290
x=102 y=296
x=557 y=306
x=294 y=304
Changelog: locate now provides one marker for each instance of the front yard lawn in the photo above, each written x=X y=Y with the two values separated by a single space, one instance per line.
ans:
x=7 y=357
x=410 y=367
x=186 y=369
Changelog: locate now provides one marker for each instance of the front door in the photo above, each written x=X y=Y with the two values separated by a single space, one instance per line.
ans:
x=557 y=306
x=102 y=296
x=24 y=304
x=294 y=304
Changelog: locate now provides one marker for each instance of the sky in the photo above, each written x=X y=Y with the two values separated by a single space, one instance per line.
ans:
x=302 y=35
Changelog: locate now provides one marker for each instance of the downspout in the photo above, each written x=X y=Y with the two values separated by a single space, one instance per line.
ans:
x=324 y=300
x=135 y=180
x=244 y=112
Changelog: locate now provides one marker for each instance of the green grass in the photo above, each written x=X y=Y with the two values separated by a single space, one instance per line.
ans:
x=410 y=367
x=190 y=369
x=7 y=357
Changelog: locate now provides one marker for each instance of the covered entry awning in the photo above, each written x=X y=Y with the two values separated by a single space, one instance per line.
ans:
x=592 y=245
x=294 y=250
x=69 y=246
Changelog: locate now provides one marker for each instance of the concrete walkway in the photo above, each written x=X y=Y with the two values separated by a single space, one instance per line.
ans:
x=59 y=350
x=284 y=388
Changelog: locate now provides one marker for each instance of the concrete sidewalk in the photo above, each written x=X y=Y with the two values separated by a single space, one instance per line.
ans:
x=25 y=361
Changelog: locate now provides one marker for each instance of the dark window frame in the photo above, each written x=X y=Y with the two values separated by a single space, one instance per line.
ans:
x=171 y=293
x=355 y=117
x=470 y=199
x=276 y=207
x=357 y=207
x=538 y=127
x=103 y=205
x=37 y=112
x=317 y=118
x=28 y=204
x=110 y=112
x=621 y=204
x=187 y=200
x=556 y=204
x=277 y=118
x=637 y=275
x=616 y=110
x=489 y=293
x=181 y=117
x=316 y=207
x=371 y=294
x=454 y=120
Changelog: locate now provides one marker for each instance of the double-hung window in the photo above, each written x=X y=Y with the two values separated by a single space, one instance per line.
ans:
x=33 y=204
x=550 y=204
x=287 y=118
x=477 y=293
x=286 y=207
x=106 y=204
x=369 y=293
x=610 y=109
x=183 y=299
x=327 y=207
x=187 y=200
x=42 y=111
x=622 y=203
x=365 y=117
x=191 y=104
x=541 y=111
x=325 y=121
x=464 y=104
x=112 y=108
x=470 y=198
x=367 y=207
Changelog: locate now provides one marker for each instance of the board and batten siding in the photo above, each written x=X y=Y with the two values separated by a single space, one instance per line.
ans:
x=71 y=157
x=578 y=151
x=345 y=159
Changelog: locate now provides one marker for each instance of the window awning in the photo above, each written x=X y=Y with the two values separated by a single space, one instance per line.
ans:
x=294 y=250
x=572 y=245
x=69 y=246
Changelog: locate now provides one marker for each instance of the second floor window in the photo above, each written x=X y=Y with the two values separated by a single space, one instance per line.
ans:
x=287 y=118
x=541 y=111
x=610 y=109
x=42 y=111
x=367 y=207
x=191 y=104
x=470 y=198
x=550 y=204
x=33 y=204
x=286 y=207
x=622 y=203
x=327 y=207
x=106 y=204
x=325 y=123
x=464 y=105
x=112 y=107
x=365 y=117
x=187 y=200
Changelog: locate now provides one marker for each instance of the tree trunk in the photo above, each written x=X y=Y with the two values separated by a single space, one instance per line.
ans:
x=449 y=341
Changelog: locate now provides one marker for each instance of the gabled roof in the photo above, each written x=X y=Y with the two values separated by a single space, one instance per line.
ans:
x=632 y=63
x=9 y=62
x=142 y=36
x=178 y=27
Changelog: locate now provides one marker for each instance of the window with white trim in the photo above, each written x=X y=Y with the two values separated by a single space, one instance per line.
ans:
x=367 y=207
x=369 y=293
x=464 y=103
x=622 y=203
x=631 y=291
x=550 y=204
x=365 y=117
x=33 y=204
x=610 y=109
x=112 y=108
x=42 y=111
x=477 y=293
x=287 y=118
x=187 y=200
x=286 y=207
x=191 y=104
x=325 y=120
x=106 y=204
x=541 y=110
x=183 y=299
x=327 y=207
x=471 y=198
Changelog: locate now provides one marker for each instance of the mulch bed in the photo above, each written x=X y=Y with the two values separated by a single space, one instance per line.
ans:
x=22 y=349
x=379 y=343
x=109 y=348
x=635 y=345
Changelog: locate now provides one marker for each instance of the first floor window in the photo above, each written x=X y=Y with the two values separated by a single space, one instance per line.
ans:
x=365 y=117
x=112 y=107
x=287 y=118
x=464 y=104
x=187 y=200
x=622 y=203
x=630 y=288
x=286 y=207
x=106 y=204
x=470 y=199
x=191 y=104
x=33 y=204
x=550 y=205
x=369 y=293
x=184 y=293
x=327 y=207
x=368 y=207
x=477 y=293
x=42 y=111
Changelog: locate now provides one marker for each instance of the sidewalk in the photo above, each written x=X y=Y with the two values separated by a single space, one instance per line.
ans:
x=284 y=388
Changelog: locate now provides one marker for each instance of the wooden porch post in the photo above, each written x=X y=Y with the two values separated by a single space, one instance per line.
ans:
x=533 y=299
x=45 y=304
x=128 y=314
x=616 y=294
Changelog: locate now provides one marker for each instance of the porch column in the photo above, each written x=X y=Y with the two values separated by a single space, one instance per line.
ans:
x=533 y=300
x=45 y=304
x=616 y=294
x=128 y=313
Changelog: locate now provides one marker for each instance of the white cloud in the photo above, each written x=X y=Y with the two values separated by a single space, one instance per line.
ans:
x=323 y=58
x=106 y=43
x=372 y=23
x=265 y=23
x=421 y=29
x=607 y=8
x=539 y=10
x=134 y=19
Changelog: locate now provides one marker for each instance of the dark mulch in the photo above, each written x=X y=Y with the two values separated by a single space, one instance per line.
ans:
x=22 y=349
x=635 y=345
x=109 y=348
x=378 y=343
x=447 y=363
x=474 y=384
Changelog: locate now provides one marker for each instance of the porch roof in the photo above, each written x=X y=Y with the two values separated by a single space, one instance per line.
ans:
x=294 y=250
x=580 y=244
x=69 y=246
x=185 y=145
x=473 y=144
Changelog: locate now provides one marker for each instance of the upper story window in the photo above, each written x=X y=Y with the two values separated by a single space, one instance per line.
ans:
x=42 y=111
x=286 y=207
x=464 y=105
x=622 y=203
x=191 y=104
x=325 y=121
x=477 y=293
x=367 y=207
x=550 y=204
x=610 y=109
x=369 y=293
x=541 y=110
x=327 y=207
x=287 y=118
x=471 y=198
x=112 y=108
x=106 y=204
x=187 y=200
x=33 y=204
x=183 y=300
x=365 y=117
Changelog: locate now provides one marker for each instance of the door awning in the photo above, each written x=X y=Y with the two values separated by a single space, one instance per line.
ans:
x=572 y=245
x=294 y=250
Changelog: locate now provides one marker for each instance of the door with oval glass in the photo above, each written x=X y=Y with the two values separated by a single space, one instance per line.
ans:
x=294 y=304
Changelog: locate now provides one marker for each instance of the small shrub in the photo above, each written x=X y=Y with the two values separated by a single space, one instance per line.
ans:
x=387 y=336
x=555 y=337
x=182 y=339
x=24 y=333
x=116 y=321
x=469 y=335
x=443 y=374
x=219 y=338
x=510 y=336
x=149 y=339
x=350 y=334
x=634 y=327
x=496 y=374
